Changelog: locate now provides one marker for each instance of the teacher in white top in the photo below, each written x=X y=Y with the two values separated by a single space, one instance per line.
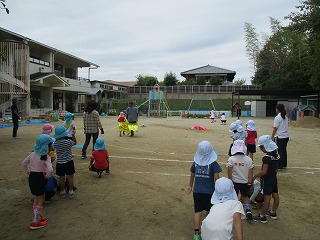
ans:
x=280 y=134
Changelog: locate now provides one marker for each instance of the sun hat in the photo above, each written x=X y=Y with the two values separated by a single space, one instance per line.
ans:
x=240 y=129
x=99 y=145
x=251 y=126
x=205 y=154
x=68 y=117
x=224 y=191
x=239 y=122
x=233 y=127
x=60 y=132
x=267 y=143
x=238 y=147
x=42 y=141
x=47 y=128
x=121 y=114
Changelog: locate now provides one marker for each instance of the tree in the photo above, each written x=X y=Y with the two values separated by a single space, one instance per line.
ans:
x=170 y=79
x=146 y=80
x=307 y=22
x=215 y=80
x=240 y=82
x=252 y=43
x=4 y=6
x=201 y=80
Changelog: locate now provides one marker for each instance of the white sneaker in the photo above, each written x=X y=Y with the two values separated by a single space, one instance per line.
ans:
x=71 y=194
x=63 y=194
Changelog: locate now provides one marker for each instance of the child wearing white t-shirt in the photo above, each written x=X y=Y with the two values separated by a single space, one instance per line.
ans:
x=225 y=213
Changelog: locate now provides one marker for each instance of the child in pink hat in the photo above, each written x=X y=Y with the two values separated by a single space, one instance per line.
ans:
x=47 y=128
x=122 y=124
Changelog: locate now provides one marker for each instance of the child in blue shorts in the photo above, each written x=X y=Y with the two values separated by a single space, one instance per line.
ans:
x=204 y=172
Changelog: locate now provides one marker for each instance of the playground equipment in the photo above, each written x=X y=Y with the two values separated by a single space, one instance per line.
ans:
x=201 y=99
x=157 y=104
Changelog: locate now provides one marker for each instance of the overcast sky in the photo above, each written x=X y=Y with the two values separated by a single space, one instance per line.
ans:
x=131 y=37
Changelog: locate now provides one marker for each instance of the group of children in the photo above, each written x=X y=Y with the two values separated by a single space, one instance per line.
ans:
x=223 y=117
x=58 y=148
x=227 y=200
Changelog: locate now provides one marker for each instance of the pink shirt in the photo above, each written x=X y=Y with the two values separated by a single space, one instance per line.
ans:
x=33 y=163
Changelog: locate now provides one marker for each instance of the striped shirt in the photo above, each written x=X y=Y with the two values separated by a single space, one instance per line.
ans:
x=63 y=150
x=91 y=122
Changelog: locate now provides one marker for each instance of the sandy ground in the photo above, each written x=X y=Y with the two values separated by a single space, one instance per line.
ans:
x=144 y=197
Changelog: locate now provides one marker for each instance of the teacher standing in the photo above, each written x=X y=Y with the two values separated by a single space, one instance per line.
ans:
x=280 y=134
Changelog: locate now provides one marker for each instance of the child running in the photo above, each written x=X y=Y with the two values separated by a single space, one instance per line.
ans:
x=38 y=166
x=240 y=171
x=204 y=172
x=251 y=139
x=65 y=165
x=99 y=160
x=225 y=213
x=69 y=124
x=268 y=178
x=122 y=124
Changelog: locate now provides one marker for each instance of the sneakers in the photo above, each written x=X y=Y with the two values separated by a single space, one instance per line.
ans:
x=196 y=237
x=262 y=219
x=99 y=174
x=83 y=156
x=71 y=194
x=37 y=225
x=63 y=194
x=43 y=219
x=272 y=215
x=248 y=214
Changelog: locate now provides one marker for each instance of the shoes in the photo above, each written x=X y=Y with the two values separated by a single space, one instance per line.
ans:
x=196 y=237
x=83 y=156
x=272 y=215
x=107 y=172
x=99 y=174
x=71 y=194
x=249 y=214
x=37 y=225
x=43 y=219
x=262 y=219
x=63 y=194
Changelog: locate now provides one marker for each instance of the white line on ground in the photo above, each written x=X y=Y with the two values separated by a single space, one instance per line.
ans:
x=162 y=174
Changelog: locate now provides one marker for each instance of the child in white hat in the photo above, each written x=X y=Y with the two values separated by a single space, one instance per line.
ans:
x=225 y=213
x=240 y=171
x=238 y=133
x=268 y=178
x=204 y=172
x=251 y=139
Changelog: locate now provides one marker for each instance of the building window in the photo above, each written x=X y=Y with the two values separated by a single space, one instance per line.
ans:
x=39 y=61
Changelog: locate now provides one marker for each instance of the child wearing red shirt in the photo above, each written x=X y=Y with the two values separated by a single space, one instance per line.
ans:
x=99 y=160
x=123 y=124
x=251 y=139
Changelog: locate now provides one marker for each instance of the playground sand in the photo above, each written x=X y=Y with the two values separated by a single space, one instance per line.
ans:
x=144 y=196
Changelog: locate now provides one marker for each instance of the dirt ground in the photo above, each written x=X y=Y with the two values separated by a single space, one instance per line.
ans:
x=144 y=196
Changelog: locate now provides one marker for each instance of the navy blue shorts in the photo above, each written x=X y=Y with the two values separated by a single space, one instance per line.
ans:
x=243 y=188
x=269 y=186
x=251 y=148
x=67 y=168
x=202 y=201
x=37 y=183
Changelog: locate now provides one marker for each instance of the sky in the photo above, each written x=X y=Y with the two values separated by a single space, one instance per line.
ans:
x=127 y=38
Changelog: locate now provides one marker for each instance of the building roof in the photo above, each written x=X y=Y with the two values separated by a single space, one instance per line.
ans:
x=8 y=35
x=304 y=107
x=208 y=69
x=125 y=84
x=51 y=78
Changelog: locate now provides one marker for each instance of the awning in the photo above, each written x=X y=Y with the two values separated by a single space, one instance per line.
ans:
x=48 y=79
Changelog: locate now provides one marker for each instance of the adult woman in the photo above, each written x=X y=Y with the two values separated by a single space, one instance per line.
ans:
x=91 y=124
x=280 y=134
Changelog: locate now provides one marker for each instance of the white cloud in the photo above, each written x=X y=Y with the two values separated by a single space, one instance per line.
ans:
x=127 y=37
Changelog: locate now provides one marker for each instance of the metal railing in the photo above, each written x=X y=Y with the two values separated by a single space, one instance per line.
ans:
x=190 y=89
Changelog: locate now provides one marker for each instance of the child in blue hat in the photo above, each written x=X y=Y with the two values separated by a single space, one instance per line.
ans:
x=69 y=124
x=65 y=165
x=99 y=160
x=38 y=166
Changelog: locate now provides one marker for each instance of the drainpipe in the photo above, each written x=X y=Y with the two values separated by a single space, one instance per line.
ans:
x=95 y=67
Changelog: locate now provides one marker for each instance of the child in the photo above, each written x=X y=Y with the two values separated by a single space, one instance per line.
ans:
x=47 y=129
x=122 y=124
x=65 y=165
x=99 y=160
x=223 y=119
x=69 y=124
x=38 y=166
x=240 y=168
x=238 y=133
x=268 y=178
x=212 y=116
x=225 y=213
x=251 y=139
x=204 y=172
